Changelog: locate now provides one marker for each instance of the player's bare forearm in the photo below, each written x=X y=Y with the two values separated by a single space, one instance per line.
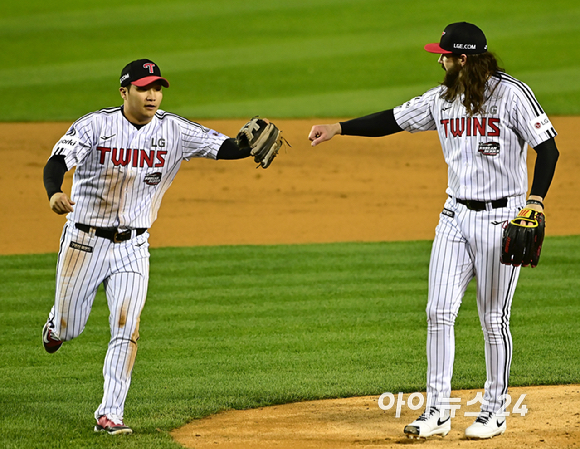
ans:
x=61 y=204
x=322 y=133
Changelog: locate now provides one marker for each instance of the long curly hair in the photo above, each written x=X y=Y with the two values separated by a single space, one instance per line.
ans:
x=470 y=80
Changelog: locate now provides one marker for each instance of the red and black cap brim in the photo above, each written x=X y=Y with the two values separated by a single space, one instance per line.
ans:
x=142 y=82
x=436 y=48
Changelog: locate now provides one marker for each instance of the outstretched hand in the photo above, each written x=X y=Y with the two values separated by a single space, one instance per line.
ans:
x=322 y=133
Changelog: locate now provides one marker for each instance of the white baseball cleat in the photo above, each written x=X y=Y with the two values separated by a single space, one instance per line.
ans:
x=486 y=425
x=431 y=422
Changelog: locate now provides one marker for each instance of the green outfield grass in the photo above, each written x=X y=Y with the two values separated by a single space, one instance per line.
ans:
x=247 y=326
x=292 y=58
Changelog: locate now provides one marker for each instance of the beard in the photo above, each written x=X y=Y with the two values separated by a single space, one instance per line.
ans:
x=451 y=78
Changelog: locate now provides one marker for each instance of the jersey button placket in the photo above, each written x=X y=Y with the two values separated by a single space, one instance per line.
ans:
x=129 y=174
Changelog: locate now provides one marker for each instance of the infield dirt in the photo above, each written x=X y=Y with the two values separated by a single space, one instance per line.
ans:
x=349 y=189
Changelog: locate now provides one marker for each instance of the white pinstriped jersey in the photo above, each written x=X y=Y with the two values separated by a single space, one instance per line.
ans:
x=486 y=153
x=122 y=172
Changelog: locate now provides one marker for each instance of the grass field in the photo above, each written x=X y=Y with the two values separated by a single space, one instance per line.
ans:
x=219 y=331
x=276 y=58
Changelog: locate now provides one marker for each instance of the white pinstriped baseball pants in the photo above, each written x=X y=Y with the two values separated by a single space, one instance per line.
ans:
x=85 y=262
x=468 y=244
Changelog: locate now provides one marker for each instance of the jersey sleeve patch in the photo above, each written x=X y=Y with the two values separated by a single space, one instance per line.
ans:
x=65 y=145
x=541 y=124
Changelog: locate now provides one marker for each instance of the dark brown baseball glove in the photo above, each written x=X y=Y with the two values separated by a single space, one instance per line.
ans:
x=522 y=239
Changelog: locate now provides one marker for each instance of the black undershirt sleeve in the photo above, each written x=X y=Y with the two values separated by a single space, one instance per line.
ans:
x=545 y=167
x=231 y=150
x=54 y=171
x=374 y=125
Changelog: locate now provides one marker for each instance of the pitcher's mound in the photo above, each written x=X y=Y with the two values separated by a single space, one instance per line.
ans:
x=551 y=420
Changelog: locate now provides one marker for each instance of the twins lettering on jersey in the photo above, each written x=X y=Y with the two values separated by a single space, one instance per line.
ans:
x=134 y=157
x=137 y=158
x=471 y=126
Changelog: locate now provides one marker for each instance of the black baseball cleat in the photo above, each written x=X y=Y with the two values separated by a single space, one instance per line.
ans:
x=50 y=339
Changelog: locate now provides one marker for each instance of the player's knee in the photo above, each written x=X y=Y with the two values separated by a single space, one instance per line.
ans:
x=440 y=316
x=496 y=334
x=495 y=326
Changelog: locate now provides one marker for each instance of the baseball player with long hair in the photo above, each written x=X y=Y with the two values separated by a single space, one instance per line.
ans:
x=484 y=118
x=126 y=158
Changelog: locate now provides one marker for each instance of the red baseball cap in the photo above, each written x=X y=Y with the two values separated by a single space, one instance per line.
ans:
x=460 y=38
x=142 y=72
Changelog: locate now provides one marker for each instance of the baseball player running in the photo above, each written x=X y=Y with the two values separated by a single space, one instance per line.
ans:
x=484 y=118
x=126 y=158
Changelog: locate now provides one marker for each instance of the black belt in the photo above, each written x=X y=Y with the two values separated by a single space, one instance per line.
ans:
x=111 y=234
x=482 y=205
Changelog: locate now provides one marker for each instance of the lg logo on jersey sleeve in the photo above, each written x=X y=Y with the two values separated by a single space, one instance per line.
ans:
x=541 y=124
